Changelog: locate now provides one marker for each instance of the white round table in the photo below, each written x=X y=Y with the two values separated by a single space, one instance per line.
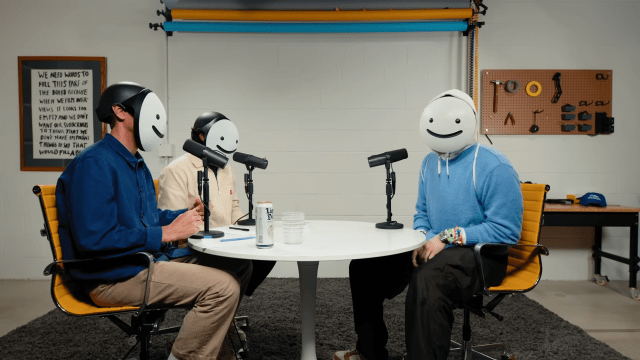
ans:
x=323 y=241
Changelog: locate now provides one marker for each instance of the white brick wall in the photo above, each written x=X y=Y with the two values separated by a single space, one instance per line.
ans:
x=317 y=105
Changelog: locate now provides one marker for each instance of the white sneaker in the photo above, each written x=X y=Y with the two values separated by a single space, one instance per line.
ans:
x=347 y=355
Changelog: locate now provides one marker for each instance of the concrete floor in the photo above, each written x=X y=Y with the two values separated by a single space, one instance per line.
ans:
x=607 y=313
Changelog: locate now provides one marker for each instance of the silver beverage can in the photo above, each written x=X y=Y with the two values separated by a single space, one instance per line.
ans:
x=264 y=225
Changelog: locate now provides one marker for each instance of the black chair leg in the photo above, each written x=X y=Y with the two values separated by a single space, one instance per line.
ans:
x=145 y=344
x=244 y=321
x=466 y=351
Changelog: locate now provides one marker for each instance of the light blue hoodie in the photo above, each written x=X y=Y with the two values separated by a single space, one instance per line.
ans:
x=481 y=194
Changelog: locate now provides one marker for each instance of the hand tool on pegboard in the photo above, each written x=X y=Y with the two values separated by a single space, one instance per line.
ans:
x=534 y=128
x=556 y=80
x=510 y=117
x=495 y=94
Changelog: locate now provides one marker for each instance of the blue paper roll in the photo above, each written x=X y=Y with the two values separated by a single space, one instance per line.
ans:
x=264 y=27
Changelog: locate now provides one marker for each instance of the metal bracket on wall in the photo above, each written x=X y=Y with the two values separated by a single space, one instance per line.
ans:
x=166 y=13
x=167 y=16
x=479 y=5
x=472 y=26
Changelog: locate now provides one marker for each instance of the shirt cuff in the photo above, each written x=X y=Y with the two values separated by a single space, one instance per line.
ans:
x=154 y=239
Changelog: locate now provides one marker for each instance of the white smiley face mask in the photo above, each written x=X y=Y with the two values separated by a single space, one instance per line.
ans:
x=222 y=135
x=150 y=119
x=149 y=116
x=449 y=123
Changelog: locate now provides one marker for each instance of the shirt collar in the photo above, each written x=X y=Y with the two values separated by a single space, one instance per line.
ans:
x=196 y=161
x=116 y=145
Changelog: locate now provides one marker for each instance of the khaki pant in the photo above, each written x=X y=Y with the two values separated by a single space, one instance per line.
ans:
x=211 y=285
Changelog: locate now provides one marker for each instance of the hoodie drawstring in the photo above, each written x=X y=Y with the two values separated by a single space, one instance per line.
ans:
x=439 y=167
x=447 y=165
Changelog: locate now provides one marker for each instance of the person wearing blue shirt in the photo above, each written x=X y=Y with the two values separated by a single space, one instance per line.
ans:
x=107 y=209
x=467 y=194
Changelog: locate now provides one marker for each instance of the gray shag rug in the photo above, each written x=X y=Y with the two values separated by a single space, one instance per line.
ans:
x=529 y=330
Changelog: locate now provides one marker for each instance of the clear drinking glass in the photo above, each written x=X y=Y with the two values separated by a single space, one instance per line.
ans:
x=293 y=227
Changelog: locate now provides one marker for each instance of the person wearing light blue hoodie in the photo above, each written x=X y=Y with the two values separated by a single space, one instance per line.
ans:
x=467 y=194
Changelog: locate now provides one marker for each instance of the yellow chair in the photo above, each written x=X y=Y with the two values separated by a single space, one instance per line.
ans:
x=69 y=296
x=524 y=269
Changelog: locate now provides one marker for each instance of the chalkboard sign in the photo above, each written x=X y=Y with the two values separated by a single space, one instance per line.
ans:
x=58 y=96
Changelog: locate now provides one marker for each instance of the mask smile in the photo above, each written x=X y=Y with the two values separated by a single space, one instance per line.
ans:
x=444 y=136
x=224 y=151
x=155 y=130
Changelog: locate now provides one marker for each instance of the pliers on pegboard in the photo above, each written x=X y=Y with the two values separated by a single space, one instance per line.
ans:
x=510 y=117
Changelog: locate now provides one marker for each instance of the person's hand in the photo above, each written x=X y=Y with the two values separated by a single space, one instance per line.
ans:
x=182 y=227
x=199 y=207
x=427 y=251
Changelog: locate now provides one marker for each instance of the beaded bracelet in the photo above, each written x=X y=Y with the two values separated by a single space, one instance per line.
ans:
x=455 y=236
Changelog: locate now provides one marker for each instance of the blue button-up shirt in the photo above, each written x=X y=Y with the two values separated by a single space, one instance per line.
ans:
x=107 y=208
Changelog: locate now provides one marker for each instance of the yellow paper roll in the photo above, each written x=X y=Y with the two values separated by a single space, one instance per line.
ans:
x=314 y=15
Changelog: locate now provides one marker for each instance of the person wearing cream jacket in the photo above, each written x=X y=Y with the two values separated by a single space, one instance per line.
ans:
x=178 y=184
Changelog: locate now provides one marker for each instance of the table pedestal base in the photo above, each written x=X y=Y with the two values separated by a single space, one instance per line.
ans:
x=308 y=271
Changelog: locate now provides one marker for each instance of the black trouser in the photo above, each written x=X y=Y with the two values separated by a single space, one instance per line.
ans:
x=435 y=290
x=372 y=281
x=261 y=269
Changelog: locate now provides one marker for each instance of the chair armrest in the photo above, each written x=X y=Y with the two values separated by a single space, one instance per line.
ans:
x=146 y=287
x=541 y=248
x=484 y=249
x=51 y=268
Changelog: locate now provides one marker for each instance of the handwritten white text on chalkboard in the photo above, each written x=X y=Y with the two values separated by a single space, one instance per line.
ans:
x=61 y=112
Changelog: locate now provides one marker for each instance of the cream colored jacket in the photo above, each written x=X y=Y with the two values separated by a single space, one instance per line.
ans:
x=178 y=189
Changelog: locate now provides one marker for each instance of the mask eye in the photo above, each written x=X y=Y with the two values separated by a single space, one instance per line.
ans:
x=457 y=121
x=158 y=116
x=431 y=120
x=222 y=138
x=236 y=141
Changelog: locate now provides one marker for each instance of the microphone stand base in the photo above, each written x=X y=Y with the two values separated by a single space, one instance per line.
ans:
x=211 y=234
x=389 y=225
x=247 y=222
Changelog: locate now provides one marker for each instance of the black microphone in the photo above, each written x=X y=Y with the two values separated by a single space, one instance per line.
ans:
x=200 y=176
x=391 y=156
x=250 y=160
x=214 y=158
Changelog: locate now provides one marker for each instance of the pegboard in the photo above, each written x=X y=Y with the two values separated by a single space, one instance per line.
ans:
x=586 y=90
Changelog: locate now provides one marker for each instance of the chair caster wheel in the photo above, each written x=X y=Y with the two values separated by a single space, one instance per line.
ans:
x=132 y=340
x=507 y=357
x=601 y=280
